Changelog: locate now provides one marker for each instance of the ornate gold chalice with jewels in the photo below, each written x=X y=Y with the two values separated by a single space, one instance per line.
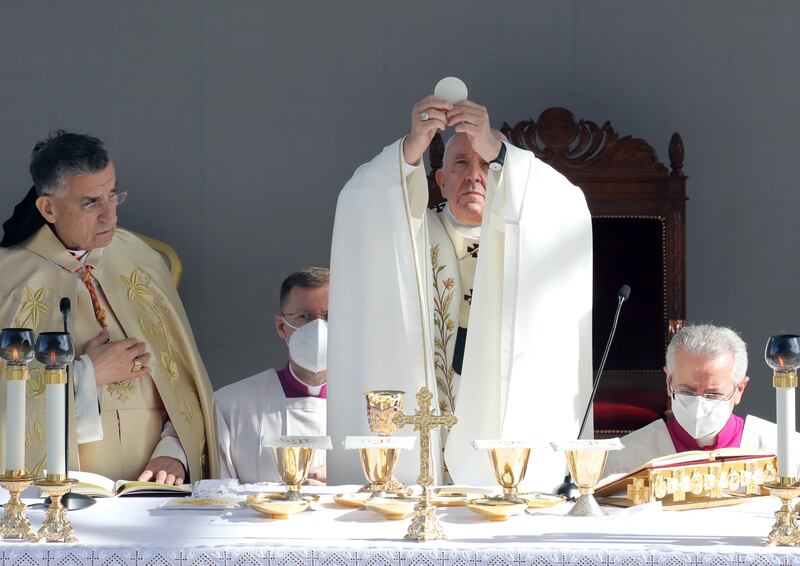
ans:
x=293 y=459
x=586 y=460
x=382 y=406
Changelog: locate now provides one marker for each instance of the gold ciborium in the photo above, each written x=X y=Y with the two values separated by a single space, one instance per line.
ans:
x=293 y=459
x=382 y=406
x=586 y=460
x=379 y=456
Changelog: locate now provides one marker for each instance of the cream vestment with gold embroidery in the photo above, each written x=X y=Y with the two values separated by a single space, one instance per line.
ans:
x=141 y=302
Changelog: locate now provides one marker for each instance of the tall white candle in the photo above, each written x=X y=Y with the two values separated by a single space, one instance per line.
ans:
x=787 y=467
x=56 y=453
x=15 y=425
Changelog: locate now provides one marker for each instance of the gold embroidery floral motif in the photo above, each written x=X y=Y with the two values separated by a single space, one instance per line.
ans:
x=38 y=430
x=32 y=306
x=34 y=387
x=444 y=292
x=138 y=289
x=122 y=390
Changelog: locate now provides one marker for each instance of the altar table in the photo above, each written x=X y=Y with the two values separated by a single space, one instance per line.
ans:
x=135 y=532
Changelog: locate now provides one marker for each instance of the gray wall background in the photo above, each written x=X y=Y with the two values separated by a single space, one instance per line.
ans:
x=235 y=124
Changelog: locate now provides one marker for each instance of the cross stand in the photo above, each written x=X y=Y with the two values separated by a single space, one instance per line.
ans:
x=425 y=525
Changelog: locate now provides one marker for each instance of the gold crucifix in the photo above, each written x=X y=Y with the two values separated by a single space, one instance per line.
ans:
x=425 y=525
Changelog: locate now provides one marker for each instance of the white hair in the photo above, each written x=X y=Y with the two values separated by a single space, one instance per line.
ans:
x=709 y=341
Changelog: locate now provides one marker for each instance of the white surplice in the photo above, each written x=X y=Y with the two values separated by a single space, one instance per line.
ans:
x=527 y=362
x=654 y=441
x=257 y=408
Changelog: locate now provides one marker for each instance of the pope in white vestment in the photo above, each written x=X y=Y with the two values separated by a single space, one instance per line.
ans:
x=287 y=402
x=706 y=367
x=486 y=301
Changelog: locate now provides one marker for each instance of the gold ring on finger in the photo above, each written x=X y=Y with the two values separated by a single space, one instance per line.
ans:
x=137 y=366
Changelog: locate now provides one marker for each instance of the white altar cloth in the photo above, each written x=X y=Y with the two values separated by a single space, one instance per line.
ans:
x=135 y=532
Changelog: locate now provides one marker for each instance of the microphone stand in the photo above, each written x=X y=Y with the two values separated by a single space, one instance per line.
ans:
x=568 y=488
x=72 y=501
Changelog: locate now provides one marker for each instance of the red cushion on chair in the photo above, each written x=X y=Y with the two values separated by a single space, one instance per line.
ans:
x=612 y=415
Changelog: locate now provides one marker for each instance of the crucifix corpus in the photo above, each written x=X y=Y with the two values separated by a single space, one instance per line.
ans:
x=425 y=525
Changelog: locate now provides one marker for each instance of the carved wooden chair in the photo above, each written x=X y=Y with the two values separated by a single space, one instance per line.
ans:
x=638 y=209
x=169 y=254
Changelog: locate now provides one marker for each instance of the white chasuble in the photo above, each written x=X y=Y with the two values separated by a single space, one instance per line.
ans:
x=653 y=441
x=527 y=360
x=257 y=408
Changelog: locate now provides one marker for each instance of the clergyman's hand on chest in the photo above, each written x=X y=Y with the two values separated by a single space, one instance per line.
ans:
x=117 y=361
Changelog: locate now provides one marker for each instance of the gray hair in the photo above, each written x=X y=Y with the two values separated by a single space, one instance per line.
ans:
x=709 y=341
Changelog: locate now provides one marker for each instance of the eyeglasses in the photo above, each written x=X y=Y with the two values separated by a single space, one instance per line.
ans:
x=95 y=205
x=708 y=396
x=299 y=319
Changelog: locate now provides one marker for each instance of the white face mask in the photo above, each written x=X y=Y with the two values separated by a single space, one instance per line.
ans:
x=699 y=416
x=308 y=345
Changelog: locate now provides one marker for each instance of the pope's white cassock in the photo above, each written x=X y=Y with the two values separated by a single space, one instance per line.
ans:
x=258 y=408
x=654 y=441
x=400 y=277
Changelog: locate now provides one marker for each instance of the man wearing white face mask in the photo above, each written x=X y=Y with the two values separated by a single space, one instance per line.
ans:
x=290 y=401
x=706 y=377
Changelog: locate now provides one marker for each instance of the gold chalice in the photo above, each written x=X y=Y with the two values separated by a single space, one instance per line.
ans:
x=293 y=463
x=586 y=460
x=379 y=456
x=382 y=406
x=586 y=467
x=379 y=465
x=293 y=459
x=510 y=465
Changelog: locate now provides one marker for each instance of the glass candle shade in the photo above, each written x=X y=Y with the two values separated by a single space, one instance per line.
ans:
x=783 y=352
x=16 y=345
x=54 y=349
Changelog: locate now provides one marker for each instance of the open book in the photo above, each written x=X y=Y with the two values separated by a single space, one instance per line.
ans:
x=96 y=485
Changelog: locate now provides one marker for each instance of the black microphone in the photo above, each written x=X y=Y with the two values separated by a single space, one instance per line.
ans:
x=72 y=501
x=569 y=489
x=64 y=306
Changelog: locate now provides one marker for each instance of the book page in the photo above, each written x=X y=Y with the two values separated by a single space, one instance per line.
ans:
x=150 y=488
x=93 y=485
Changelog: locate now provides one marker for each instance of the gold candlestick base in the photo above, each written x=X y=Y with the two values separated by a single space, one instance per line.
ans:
x=15 y=524
x=56 y=527
x=785 y=531
x=425 y=525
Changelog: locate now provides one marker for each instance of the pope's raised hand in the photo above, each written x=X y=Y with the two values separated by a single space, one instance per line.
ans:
x=427 y=116
x=472 y=119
